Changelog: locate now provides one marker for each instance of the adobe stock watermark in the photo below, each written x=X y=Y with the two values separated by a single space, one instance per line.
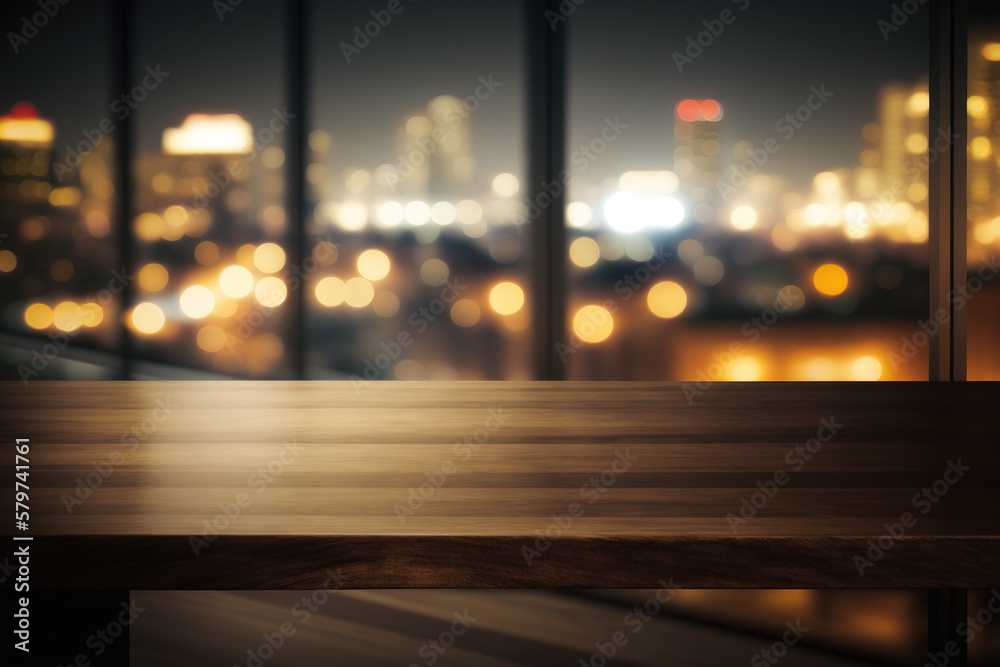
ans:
x=421 y=320
x=223 y=7
x=231 y=511
x=635 y=621
x=580 y=159
x=591 y=491
x=463 y=450
x=786 y=126
x=797 y=457
x=627 y=286
x=32 y=23
x=714 y=28
x=135 y=436
x=432 y=650
x=121 y=107
x=779 y=649
x=363 y=35
x=753 y=329
x=427 y=146
x=927 y=329
x=49 y=352
x=565 y=9
x=898 y=17
x=223 y=178
x=922 y=501
x=302 y=611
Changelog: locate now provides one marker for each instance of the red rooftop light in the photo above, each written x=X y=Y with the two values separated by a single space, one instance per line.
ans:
x=24 y=110
x=693 y=110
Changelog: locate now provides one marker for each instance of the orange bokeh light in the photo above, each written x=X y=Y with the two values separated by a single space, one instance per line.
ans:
x=710 y=109
x=689 y=110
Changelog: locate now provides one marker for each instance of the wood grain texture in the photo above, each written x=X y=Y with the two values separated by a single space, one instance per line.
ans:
x=324 y=472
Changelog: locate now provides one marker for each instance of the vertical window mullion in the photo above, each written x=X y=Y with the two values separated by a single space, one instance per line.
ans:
x=296 y=47
x=123 y=32
x=546 y=99
x=947 y=180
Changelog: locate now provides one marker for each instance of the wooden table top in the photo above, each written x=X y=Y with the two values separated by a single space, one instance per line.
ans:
x=455 y=484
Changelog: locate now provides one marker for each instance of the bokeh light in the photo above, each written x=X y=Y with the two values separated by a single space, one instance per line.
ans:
x=593 y=324
x=666 y=299
x=830 y=279
x=506 y=298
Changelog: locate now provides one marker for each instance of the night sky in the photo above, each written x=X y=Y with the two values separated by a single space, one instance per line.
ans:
x=759 y=68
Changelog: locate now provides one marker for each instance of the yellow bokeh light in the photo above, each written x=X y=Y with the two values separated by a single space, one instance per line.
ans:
x=506 y=298
x=916 y=192
x=592 y=324
x=826 y=181
x=992 y=52
x=465 y=312
x=67 y=316
x=373 y=264
x=176 y=216
x=236 y=281
x=319 y=141
x=197 y=301
x=977 y=106
x=269 y=257
x=211 y=338
x=584 y=252
x=505 y=185
x=330 y=291
x=271 y=291
x=245 y=253
x=830 y=279
x=206 y=253
x=578 y=214
x=666 y=299
x=149 y=227
x=8 y=261
x=981 y=148
x=38 y=316
x=358 y=292
x=385 y=304
x=147 y=318
x=153 y=277
x=916 y=143
x=866 y=369
x=918 y=104
x=92 y=314
x=434 y=272
x=744 y=217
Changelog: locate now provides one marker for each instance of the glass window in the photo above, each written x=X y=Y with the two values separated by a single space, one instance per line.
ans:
x=416 y=176
x=749 y=198
x=209 y=221
x=983 y=314
x=60 y=276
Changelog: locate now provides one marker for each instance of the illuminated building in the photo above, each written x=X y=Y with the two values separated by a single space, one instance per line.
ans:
x=696 y=147
x=25 y=160
x=205 y=168
x=435 y=150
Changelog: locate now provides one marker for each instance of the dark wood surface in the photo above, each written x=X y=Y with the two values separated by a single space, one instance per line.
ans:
x=395 y=628
x=333 y=503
